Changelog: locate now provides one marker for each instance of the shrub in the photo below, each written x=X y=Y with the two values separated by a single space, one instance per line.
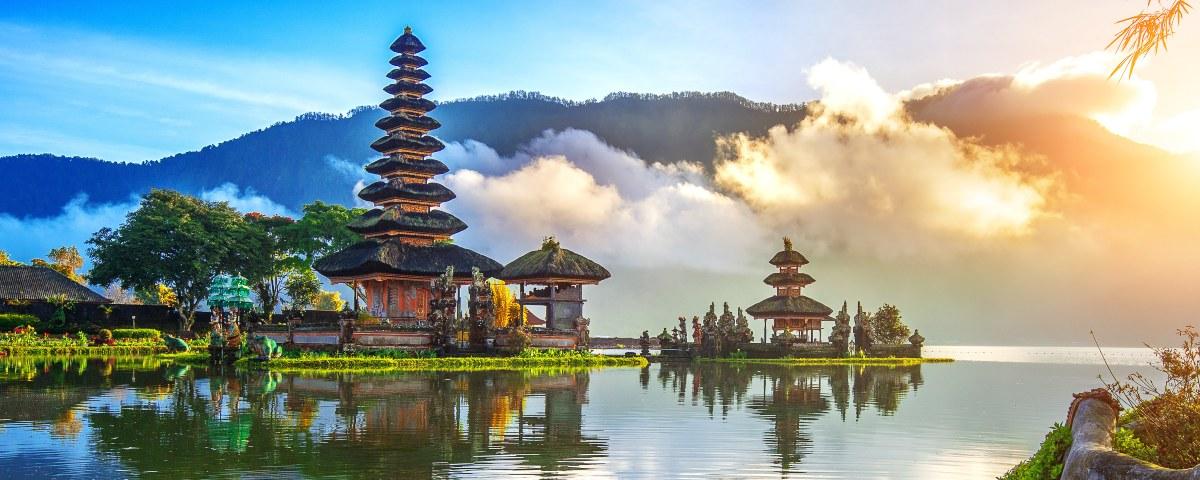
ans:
x=9 y=321
x=1047 y=462
x=1168 y=415
x=136 y=334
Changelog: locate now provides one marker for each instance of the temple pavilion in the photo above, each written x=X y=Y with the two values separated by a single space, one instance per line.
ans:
x=407 y=239
x=788 y=309
x=558 y=276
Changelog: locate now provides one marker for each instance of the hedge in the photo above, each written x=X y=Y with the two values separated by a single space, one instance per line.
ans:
x=9 y=321
x=136 y=334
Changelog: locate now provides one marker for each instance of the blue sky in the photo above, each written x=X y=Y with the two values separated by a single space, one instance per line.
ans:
x=132 y=81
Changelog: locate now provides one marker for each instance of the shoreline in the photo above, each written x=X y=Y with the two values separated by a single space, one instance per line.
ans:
x=802 y=362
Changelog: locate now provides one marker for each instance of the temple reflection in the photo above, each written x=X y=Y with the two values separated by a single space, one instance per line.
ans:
x=412 y=425
x=790 y=398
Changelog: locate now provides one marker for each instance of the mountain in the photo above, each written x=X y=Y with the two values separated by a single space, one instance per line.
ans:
x=296 y=162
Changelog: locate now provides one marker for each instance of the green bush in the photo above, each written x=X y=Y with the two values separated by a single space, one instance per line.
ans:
x=136 y=334
x=1126 y=442
x=1047 y=462
x=9 y=321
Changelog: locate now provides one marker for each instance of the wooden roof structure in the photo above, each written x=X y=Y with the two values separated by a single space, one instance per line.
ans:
x=36 y=283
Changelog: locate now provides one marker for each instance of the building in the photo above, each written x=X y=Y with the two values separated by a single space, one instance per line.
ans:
x=561 y=275
x=407 y=239
x=788 y=309
x=34 y=284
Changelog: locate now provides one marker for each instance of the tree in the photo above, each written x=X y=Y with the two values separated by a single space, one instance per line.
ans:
x=64 y=260
x=321 y=231
x=271 y=266
x=330 y=300
x=158 y=295
x=120 y=295
x=6 y=261
x=302 y=287
x=176 y=240
x=1146 y=33
x=887 y=326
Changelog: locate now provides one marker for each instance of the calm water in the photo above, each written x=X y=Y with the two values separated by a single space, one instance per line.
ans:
x=117 y=418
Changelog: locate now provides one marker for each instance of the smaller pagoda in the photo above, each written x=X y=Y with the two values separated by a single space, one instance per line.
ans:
x=561 y=275
x=797 y=315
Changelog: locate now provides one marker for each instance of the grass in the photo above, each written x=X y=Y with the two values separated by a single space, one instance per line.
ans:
x=82 y=350
x=380 y=362
x=890 y=361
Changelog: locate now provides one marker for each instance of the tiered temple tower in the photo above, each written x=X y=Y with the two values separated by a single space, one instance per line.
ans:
x=406 y=237
x=788 y=308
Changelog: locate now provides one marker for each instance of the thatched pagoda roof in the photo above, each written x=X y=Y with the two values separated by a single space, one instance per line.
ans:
x=393 y=256
x=785 y=306
x=407 y=60
x=397 y=141
x=427 y=166
x=419 y=104
x=379 y=220
x=400 y=120
x=398 y=189
x=39 y=283
x=408 y=43
x=787 y=256
x=783 y=279
x=411 y=74
x=552 y=262
x=409 y=87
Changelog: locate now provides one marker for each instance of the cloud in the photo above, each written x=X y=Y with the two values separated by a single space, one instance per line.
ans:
x=859 y=175
x=1077 y=86
x=603 y=202
x=28 y=238
x=245 y=201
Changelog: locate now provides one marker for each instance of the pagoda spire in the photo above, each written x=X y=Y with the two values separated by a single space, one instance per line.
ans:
x=405 y=199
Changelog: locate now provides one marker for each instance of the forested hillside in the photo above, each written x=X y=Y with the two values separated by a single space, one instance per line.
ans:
x=294 y=162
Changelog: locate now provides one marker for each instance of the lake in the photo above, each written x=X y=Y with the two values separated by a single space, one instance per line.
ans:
x=139 y=418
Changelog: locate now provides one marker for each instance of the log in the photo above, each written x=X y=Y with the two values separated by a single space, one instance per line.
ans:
x=1093 y=419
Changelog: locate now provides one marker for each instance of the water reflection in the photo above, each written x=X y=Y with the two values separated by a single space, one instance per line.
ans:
x=164 y=420
x=790 y=398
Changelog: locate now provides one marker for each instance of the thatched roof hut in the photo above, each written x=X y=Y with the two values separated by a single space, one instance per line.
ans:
x=551 y=264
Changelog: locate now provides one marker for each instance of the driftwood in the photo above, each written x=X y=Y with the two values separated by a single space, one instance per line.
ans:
x=1092 y=420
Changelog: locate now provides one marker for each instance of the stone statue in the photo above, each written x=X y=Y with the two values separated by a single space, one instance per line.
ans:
x=442 y=304
x=712 y=340
x=726 y=330
x=745 y=334
x=839 y=336
x=916 y=339
x=480 y=305
x=264 y=348
x=864 y=337
x=584 y=334
x=174 y=344
x=683 y=340
x=644 y=342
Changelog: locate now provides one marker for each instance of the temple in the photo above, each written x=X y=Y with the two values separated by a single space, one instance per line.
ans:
x=793 y=315
x=406 y=238
x=558 y=276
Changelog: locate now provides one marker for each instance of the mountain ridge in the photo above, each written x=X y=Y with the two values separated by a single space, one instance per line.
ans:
x=659 y=128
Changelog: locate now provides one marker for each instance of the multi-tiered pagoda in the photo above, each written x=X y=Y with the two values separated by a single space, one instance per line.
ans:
x=797 y=314
x=407 y=239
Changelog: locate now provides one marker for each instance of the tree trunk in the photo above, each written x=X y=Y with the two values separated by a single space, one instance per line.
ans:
x=186 y=315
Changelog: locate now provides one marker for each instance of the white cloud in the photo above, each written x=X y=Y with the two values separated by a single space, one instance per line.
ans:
x=859 y=175
x=602 y=202
x=245 y=201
